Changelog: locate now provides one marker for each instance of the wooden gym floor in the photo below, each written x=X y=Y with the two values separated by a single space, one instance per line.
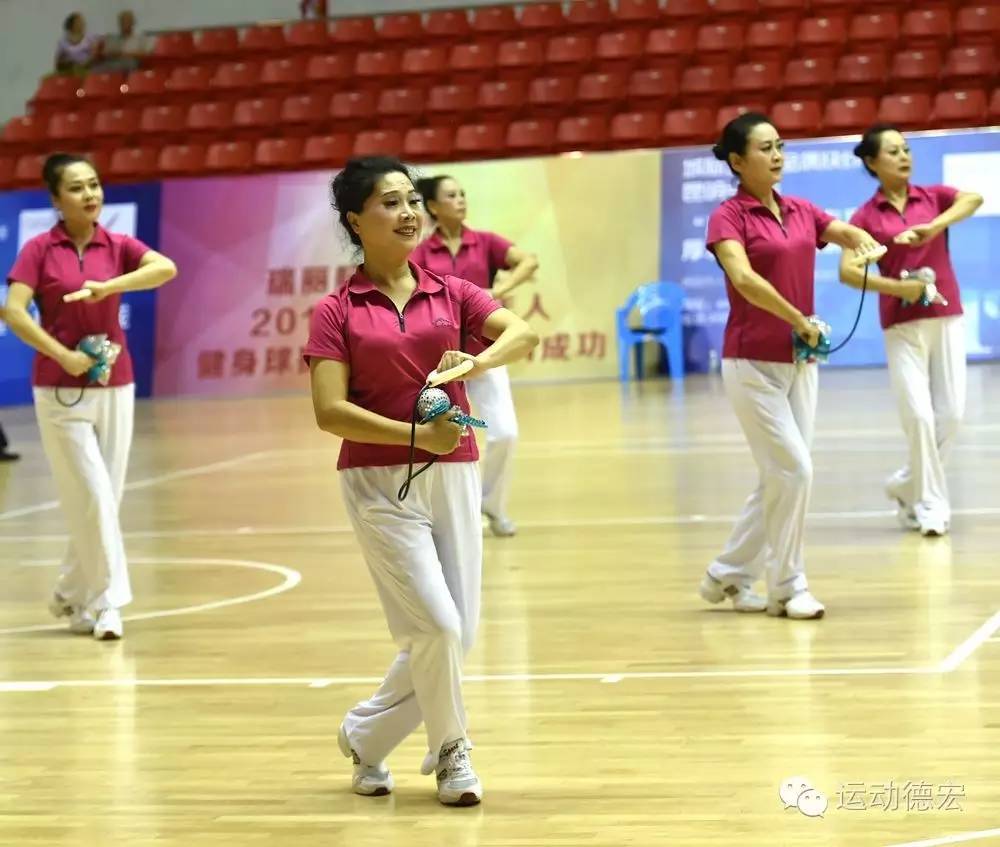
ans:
x=609 y=705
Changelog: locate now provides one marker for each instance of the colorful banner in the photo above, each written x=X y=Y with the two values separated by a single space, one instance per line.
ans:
x=827 y=173
x=133 y=210
x=256 y=253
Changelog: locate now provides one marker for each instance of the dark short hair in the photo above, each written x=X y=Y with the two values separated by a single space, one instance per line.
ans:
x=70 y=18
x=429 y=187
x=736 y=135
x=352 y=187
x=52 y=170
x=871 y=143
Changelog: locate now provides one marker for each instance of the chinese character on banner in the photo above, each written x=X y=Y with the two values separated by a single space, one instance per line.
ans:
x=278 y=360
x=536 y=307
x=885 y=796
x=303 y=364
x=244 y=363
x=211 y=364
x=281 y=282
x=852 y=797
x=948 y=796
x=592 y=345
x=556 y=347
x=315 y=279
x=919 y=796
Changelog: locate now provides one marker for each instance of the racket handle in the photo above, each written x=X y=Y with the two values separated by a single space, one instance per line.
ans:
x=435 y=378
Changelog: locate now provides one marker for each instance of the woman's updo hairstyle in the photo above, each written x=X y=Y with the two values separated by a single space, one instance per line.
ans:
x=736 y=136
x=352 y=187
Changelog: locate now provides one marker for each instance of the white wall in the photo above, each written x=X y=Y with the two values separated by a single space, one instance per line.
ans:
x=31 y=28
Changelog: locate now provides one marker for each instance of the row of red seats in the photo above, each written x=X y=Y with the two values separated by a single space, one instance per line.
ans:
x=972 y=19
x=870 y=74
x=518 y=138
x=423 y=67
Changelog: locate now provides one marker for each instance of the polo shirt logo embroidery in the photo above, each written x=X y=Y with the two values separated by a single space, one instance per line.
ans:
x=444 y=322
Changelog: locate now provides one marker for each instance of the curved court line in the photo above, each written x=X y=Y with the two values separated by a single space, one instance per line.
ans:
x=957 y=838
x=183 y=473
x=290 y=578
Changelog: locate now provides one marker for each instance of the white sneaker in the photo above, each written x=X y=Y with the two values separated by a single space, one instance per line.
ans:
x=713 y=590
x=906 y=517
x=109 y=625
x=933 y=527
x=368 y=780
x=457 y=782
x=801 y=606
x=500 y=526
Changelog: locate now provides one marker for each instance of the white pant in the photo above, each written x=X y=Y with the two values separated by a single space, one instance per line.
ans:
x=776 y=407
x=927 y=367
x=425 y=556
x=492 y=400
x=87 y=446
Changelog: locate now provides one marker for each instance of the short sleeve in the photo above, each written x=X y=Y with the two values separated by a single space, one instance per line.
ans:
x=132 y=252
x=28 y=265
x=725 y=224
x=497 y=250
x=822 y=220
x=944 y=196
x=477 y=306
x=327 y=332
x=860 y=218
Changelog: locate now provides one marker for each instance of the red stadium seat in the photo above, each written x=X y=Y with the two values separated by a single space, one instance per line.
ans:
x=907 y=111
x=736 y=8
x=103 y=87
x=190 y=78
x=210 y=118
x=978 y=24
x=589 y=14
x=797 y=118
x=377 y=65
x=308 y=35
x=688 y=125
x=402 y=27
x=930 y=27
x=519 y=58
x=327 y=150
x=425 y=62
x=730 y=113
x=287 y=74
x=705 y=84
x=172 y=47
x=584 y=132
x=807 y=77
x=619 y=49
x=636 y=129
x=479 y=140
x=229 y=156
x=638 y=10
x=850 y=114
x=756 y=78
x=915 y=70
x=447 y=25
x=873 y=30
x=146 y=85
x=600 y=93
x=257 y=116
x=861 y=73
x=24 y=130
x=552 y=95
x=721 y=38
x=399 y=108
x=450 y=100
x=57 y=91
x=656 y=87
x=28 y=170
x=531 y=137
x=134 y=163
x=960 y=108
x=182 y=159
x=499 y=21
x=670 y=46
x=276 y=153
x=821 y=36
x=70 y=126
x=299 y=112
x=236 y=79
x=771 y=38
x=218 y=44
x=687 y=10
x=973 y=64
x=263 y=38
x=352 y=110
x=328 y=69
x=115 y=124
x=542 y=17
x=162 y=120
x=568 y=51
x=378 y=142
x=428 y=144
x=473 y=60
x=502 y=98
x=353 y=31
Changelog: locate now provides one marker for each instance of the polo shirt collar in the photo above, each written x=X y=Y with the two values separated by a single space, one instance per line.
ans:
x=59 y=235
x=879 y=199
x=748 y=201
x=436 y=242
x=426 y=282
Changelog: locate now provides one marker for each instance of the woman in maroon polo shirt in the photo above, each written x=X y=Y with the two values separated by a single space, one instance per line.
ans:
x=76 y=273
x=371 y=347
x=924 y=330
x=766 y=243
x=495 y=264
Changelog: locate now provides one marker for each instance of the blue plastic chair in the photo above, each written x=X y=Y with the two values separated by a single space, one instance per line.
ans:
x=660 y=306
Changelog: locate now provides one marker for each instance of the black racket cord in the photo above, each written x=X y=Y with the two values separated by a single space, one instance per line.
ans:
x=404 y=489
x=857 y=318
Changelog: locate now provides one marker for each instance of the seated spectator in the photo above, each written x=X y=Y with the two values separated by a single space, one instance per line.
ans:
x=76 y=51
x=313 y=8
x=123 y=50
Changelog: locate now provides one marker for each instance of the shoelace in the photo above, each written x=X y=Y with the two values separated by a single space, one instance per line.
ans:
x=457 y=764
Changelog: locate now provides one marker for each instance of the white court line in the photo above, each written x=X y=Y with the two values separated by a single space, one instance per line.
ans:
x=971 y=644
x=958 y=838
x=657 y=520
x=290 y=578
x=138 y=484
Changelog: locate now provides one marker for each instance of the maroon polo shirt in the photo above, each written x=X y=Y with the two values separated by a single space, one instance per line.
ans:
x=390 y=352
x=784 y=254
x=50 y=264
x=884 y=221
